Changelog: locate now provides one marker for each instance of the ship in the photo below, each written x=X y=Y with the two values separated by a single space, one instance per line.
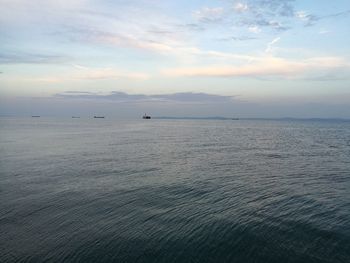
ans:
x=146 y=117
x=99 y=117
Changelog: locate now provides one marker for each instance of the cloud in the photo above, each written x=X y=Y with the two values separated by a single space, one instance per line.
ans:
x=130 y=41
x=324 y=32
x=269 y=45
x=240 y=7
x=209 y=15
x=249 y=13
x=115 y=96
x=91 y=24
x=311 y=19
x=254 y=29
x=255 y=24
x=108 y=73
x=166 y=47
x=153 y=40
x=192 y=27
x=194 y=97
x=85 y=73
x=238 y=38
x=263 y=13
x=284 y=8
x=276 y=14
x=31 y=58
x=184 y=97
x=302 y=15
x=264 y=67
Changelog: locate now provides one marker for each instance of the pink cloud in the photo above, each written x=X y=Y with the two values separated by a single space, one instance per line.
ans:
x=264 y=66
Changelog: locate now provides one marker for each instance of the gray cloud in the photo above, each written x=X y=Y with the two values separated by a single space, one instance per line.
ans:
x=312 y=19
x=284 y=8
x=273 y=14
x=118 y=96
x=263 y=22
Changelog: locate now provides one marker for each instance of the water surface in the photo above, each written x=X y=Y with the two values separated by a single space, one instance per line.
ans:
x=102 y=190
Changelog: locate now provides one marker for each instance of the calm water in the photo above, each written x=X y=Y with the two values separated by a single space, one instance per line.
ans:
x=101 y=190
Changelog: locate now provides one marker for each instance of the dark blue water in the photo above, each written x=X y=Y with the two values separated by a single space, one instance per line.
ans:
x=101 y=190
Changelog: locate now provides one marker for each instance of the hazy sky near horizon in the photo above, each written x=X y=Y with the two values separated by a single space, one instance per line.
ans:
x=247 y=57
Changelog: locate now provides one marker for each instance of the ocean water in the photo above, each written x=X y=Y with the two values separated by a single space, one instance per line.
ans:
x=103 y=190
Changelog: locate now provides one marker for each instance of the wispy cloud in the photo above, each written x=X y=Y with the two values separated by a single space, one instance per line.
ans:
x=134 y=40
x=254 y=25
x=240 y=7
x=31 y=58
x=237 y=38
x=79 y=73
x=192 y=27
x=108 y=73
x=208 y=15
x=324 y=32
x=310 y=19
x=255 y=14
x=254 y=29
x=167 y=46
x=283 y=8
x=264 y=66
x=270 y=44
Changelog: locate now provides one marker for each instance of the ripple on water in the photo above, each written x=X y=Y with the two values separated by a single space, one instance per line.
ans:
x=174 y=191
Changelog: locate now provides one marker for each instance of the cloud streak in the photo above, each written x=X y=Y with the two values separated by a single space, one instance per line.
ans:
x=312 y=19
x=265 y=66
x=270 y=44
x=31 y=58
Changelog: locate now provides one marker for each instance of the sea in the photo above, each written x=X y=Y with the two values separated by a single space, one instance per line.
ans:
x=108 y=190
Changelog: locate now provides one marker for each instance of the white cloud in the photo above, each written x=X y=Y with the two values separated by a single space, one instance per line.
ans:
x=254 y=29
x=270 y=44
x=240 y=7
x=207 y=14
x=324 y=32
x=302 y=15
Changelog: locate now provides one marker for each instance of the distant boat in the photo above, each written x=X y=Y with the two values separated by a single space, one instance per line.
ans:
x=99 y=117
x=75 y=117
x=146 y=116
x=35 y=116
x=235 y=119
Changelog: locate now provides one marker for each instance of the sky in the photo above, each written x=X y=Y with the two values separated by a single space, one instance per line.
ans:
x=244 y=58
